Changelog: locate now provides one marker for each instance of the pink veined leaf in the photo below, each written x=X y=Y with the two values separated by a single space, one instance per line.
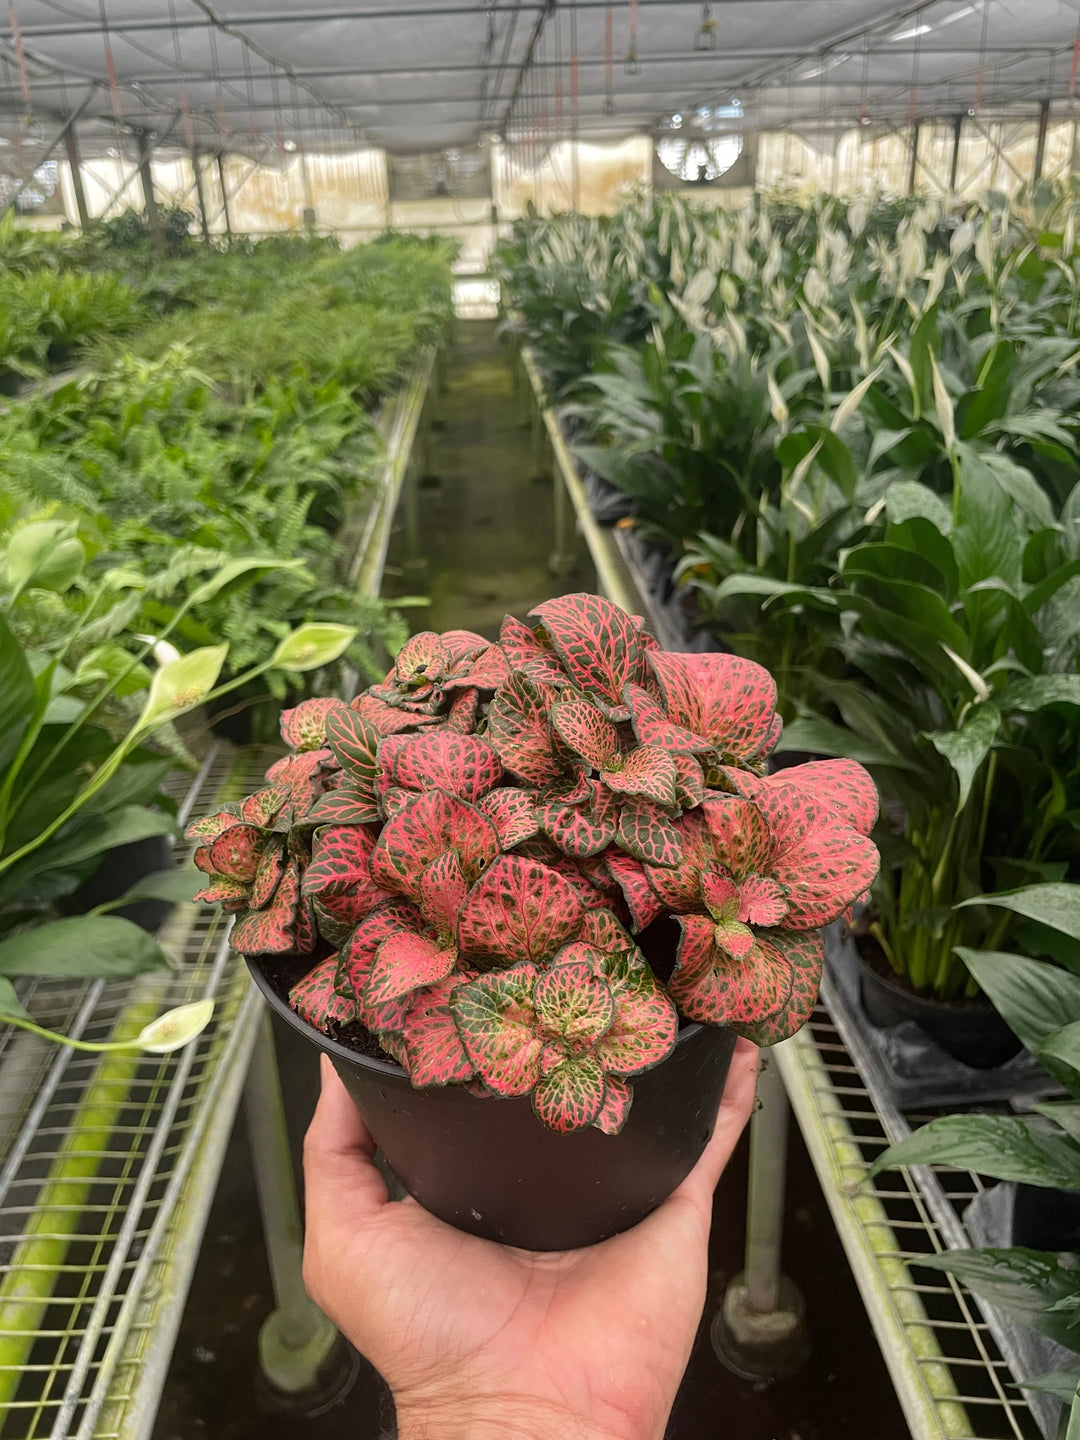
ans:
x=343 y=806
x=314 y=998
x=487 y=672
x=710 y=985
x=387 y=1022
x=201 y=857
x=354 y=741
x=464 y=713
x=267 y=876
x=462 y=765
x=462 y=646
x=652 y=726
x=304 y=776
x=423 y=830
x=271 y=931
x=497 y=1023
x=434 y=1053
x=223 y=891
x=588 y=884
x=823 y=864
x=358 y=953
x=519 y=908
x=585 y=731
x=209 y=827
x=642 y=901
x=728 y=700
x=574 y=1005
x=599 y=646
x=602 y=931
x=648 y=834
x=388 y=719
x=618 y=1097
x=237 y=851
x=513 y=813
x=582 y=953
x=573 y=787
x=443 y=889
x=719 y=893
x=519 y=643
x=582 y=830
x=571 y=1094
x=405 y=962
x=740 y=834
x=304 y=727
x=804 y=951
x=306 y=934
x=340 y=861
x=646 y=1023
x=646 y=771
x=842 y=785
x=262 y=807
x=422 y=659
x=518 y=729
x=763 y=901
x=689 y=782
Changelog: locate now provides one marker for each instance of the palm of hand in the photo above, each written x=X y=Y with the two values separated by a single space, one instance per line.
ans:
x=589 y=1342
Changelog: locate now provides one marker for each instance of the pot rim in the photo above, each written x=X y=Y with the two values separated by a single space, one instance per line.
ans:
x=342 y=1052
x=894 y=983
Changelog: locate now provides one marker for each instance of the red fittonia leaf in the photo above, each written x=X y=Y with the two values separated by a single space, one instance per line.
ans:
x=209 y=827
x=443 y=889
x=598 y=645
x=422 y=659
x=425 y=829
x=584 y=878
x=487 y=672
x=304 y=727
x=270 y=870
x=725 y=698
x=573 y=787
x=689 y=782
x=303 y=776
x=343 y=806
x=358 y=953
x=804 y=952
x=574 y=1004
x=585 y=731
x=641 y=899
x=262 y=807
x=497 y=1023
x=518 y=729
x=306 y=934
x=462 y=646
x=710 y=985
x=463 y=765
x=646 y=771
x=647 y=833
x=315 y=1000
x=518 y=909
x=582 y=830
x=740 y=834
x=237 y=851
x=388 y=719
x=354 y=742
x=512 y=812
x=271 y=931
x=823 y=864
x=762 y=901
x=340 y=860
x=405 y=962
x=720 y=893
x=571 y=1094
x=464 y=711
x=652 y=726
x=843 y=785
x=224 y=892
x=434 y=1054
x=519 y=643
x=602 y=931
x=646 y=1023
x=618 y=1097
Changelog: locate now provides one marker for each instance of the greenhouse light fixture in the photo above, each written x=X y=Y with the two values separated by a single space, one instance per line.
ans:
x=705 y=39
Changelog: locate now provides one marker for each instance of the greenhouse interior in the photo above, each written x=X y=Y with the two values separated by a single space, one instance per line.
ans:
x=540 y=720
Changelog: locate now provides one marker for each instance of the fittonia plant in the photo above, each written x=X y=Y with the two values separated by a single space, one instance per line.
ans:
x=467 y=850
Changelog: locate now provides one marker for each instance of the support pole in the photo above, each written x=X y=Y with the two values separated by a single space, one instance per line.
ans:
x=146 y=176
x=760 y=1330
x=196 y=167
x=224 y=193
x=1040 y=144
x=296 y=1339
x=914 y=165
x=954 y=164
x=71 y=143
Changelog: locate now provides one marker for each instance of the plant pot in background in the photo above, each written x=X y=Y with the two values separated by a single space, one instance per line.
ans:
x=971 y=1031
x=116 y=874
x=489 y=1167
x=1045 y=1219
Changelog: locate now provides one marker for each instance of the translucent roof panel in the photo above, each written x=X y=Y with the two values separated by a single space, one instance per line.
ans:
x=427 y=74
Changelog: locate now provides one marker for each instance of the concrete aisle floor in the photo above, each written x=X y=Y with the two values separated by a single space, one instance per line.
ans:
x=485 y=536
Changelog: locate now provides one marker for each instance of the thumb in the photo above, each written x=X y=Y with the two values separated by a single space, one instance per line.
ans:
x=339 y=1167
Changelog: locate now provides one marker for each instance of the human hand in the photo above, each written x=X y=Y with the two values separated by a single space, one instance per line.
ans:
x=481 y=1340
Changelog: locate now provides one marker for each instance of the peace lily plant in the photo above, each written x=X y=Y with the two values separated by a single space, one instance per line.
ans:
x=477 y=858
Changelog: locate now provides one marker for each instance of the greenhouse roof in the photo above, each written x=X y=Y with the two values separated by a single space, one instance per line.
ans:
x=438 y=73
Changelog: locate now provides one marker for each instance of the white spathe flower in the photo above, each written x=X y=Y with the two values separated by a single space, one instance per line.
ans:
x=962 y=239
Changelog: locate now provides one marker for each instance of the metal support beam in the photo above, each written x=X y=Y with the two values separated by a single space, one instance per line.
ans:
x=60 y=135
x=153 y=212
x=526 y=64
x=196 y=169
x=913 y=167
x=71 y=142
x=954 y=163
x=1040 y=145
x=224 y=194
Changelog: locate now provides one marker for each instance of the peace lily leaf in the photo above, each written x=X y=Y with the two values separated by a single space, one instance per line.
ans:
x=1033 y=997
x=1000 y=1145
x=175 y=1028
x=967 y=748
x=84 y=946
x=178 y=886
x=1061 y=1383
x=44 y=555
x=93 y=834
x=1028 y=1284
x=1056 y=904
x=1039 y=691
x=248 y=568
x=1063 y=1044
x=822 y=737
x=10 y=1007
x=17 y=693
x=310 y=646
x=181 y=685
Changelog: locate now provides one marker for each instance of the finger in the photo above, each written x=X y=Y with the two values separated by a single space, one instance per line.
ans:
x=339 y=1167
x=731 y=1118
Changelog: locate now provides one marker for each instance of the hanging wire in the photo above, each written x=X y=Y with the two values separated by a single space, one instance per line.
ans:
x=115 y=97
x=981 y=74
x=609 y=62
x=632 y=63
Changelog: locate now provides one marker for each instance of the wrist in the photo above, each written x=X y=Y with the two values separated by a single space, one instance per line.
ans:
x=521 y=1417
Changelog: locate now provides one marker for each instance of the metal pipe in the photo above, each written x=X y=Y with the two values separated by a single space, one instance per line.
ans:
x=196 y=167
x=765 y=1197
x=71 y=143
x=224 y=193
x=913 y=166
x=57 y=138
x=1040 y=146
x=954 y=164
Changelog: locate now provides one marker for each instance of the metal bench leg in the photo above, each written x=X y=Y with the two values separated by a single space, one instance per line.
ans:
x=760 y=1330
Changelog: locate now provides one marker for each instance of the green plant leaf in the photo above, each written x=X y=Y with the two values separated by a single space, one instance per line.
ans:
x=44 y=555
x=1037 y=691
x=249 y=569
x=84 y=947
x=1004 y=1146
x=967 y=748
x=1029 y=1284
x=10 y=1007
x=1063 y=1044
x=822 y=737
x=310 y=646
x=181 y=685
x=1062 y=1383
x=17 y=694
x=1033 y=997
x=93 y=834
x=1056 y=904
x=177 y=886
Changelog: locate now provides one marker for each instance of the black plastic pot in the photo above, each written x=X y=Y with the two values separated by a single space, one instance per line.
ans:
x=971 y=1031
x=1046 y=1219
x=490 y=1167
x=118 y=872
